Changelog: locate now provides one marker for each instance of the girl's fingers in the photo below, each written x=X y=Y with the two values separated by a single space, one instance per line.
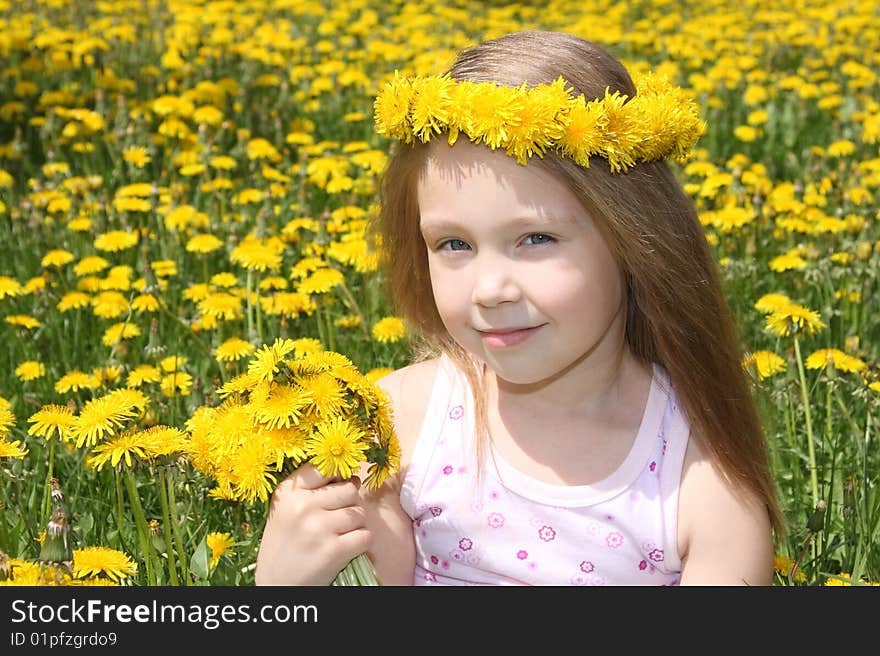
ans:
x=345 y=520
x=307 y=477
x=333 y=496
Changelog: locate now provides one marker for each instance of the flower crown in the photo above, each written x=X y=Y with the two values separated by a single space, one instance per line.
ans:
x=660 y=121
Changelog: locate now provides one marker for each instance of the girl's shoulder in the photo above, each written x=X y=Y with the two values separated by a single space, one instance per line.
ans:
x=409 y=389
x=724 y=532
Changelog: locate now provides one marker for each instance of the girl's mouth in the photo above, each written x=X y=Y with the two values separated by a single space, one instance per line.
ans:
x=507 y=338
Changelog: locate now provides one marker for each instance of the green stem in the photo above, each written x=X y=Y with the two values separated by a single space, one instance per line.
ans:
x=250 y=315
x=184 y=571
x=167 y=520
x=119 y=510
x=814 y=479
x=47 y=496
x=321 y=329
x=142 y=528
x=358 y=572
x=259 y=312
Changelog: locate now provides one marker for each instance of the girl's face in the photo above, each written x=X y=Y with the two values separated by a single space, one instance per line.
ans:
x=522 y=277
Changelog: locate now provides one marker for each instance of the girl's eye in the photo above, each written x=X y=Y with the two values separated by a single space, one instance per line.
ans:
x=537 y=238
x=454 y=245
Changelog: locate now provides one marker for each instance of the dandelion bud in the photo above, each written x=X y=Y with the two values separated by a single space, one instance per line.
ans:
x=5 y=567
x=154 y=348
x=816 y=522
x=56 y=546
x=157 y=538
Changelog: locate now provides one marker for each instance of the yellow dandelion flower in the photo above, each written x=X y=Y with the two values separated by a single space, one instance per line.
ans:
x=264 y=364
x=348 y=321
x=766 y=363
x=747 y=133
x=30 y=370
x=221 y=306
x=325 y=394
x=109 y=305
x=787 y=262
x=320 y=281
x=197 y=292
x=12 y=449
x=116 y=240
x=233 y=349
x=288 y=304
x=164 y=268
x=260 y=148
x=306 y=346
x=145 y=303
x=223 y=162
x=137 y=156
x=429 y=111
x=51 y=420
x=793 y=319
x=73 y=301
x=219 y=544
x=387 y=462
x=9 y=287
x=205 y=243
x=392 y=109
x=841 y=361
x=56 y=258
x=116 y=449
x=389 y=329
x=841 y=148
x=224 y=279
x=73 y=381
x=160 y=441
x=772 y=302
x=90 y=265
x=257 y=255
x=250 y=475
x=23 y=320
x=285 y=443
x=784 y=566
x=102 y=416
x=143 y=373
x=119 y=331
x=94 y=561
x=335 y=447
x=177 y=383
x=281 y=408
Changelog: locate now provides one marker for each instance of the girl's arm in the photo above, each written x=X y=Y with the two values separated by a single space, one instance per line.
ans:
x=392 y=550
x=724 y=534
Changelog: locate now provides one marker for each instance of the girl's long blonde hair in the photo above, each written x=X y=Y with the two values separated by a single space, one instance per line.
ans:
x=677 y=314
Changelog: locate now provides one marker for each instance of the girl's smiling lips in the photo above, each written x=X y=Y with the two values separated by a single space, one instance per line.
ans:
x=505 y=337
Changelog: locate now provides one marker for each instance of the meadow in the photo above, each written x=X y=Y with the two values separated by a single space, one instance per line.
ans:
x=184 y=182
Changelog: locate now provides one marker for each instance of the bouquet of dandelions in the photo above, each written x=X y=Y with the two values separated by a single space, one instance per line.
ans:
x=288 y=409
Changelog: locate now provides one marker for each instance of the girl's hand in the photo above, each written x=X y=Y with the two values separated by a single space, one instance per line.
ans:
x=315 y=526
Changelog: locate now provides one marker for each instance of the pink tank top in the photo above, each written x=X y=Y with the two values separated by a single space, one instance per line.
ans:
x=511 y=529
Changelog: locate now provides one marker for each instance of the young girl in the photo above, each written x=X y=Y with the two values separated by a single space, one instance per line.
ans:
x=584 y=418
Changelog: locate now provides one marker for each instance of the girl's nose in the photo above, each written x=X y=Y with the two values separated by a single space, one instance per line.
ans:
x=494 y=285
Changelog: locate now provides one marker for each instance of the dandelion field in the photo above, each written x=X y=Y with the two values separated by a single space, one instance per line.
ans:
x=182 y=183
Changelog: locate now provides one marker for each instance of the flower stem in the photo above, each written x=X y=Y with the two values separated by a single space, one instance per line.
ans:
x=358 y=572
x=167 y=520
x=47 y=496
x=142 y=528
x=119 y=510
x=184 y=571
x=250 y=315
x=814 y=480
